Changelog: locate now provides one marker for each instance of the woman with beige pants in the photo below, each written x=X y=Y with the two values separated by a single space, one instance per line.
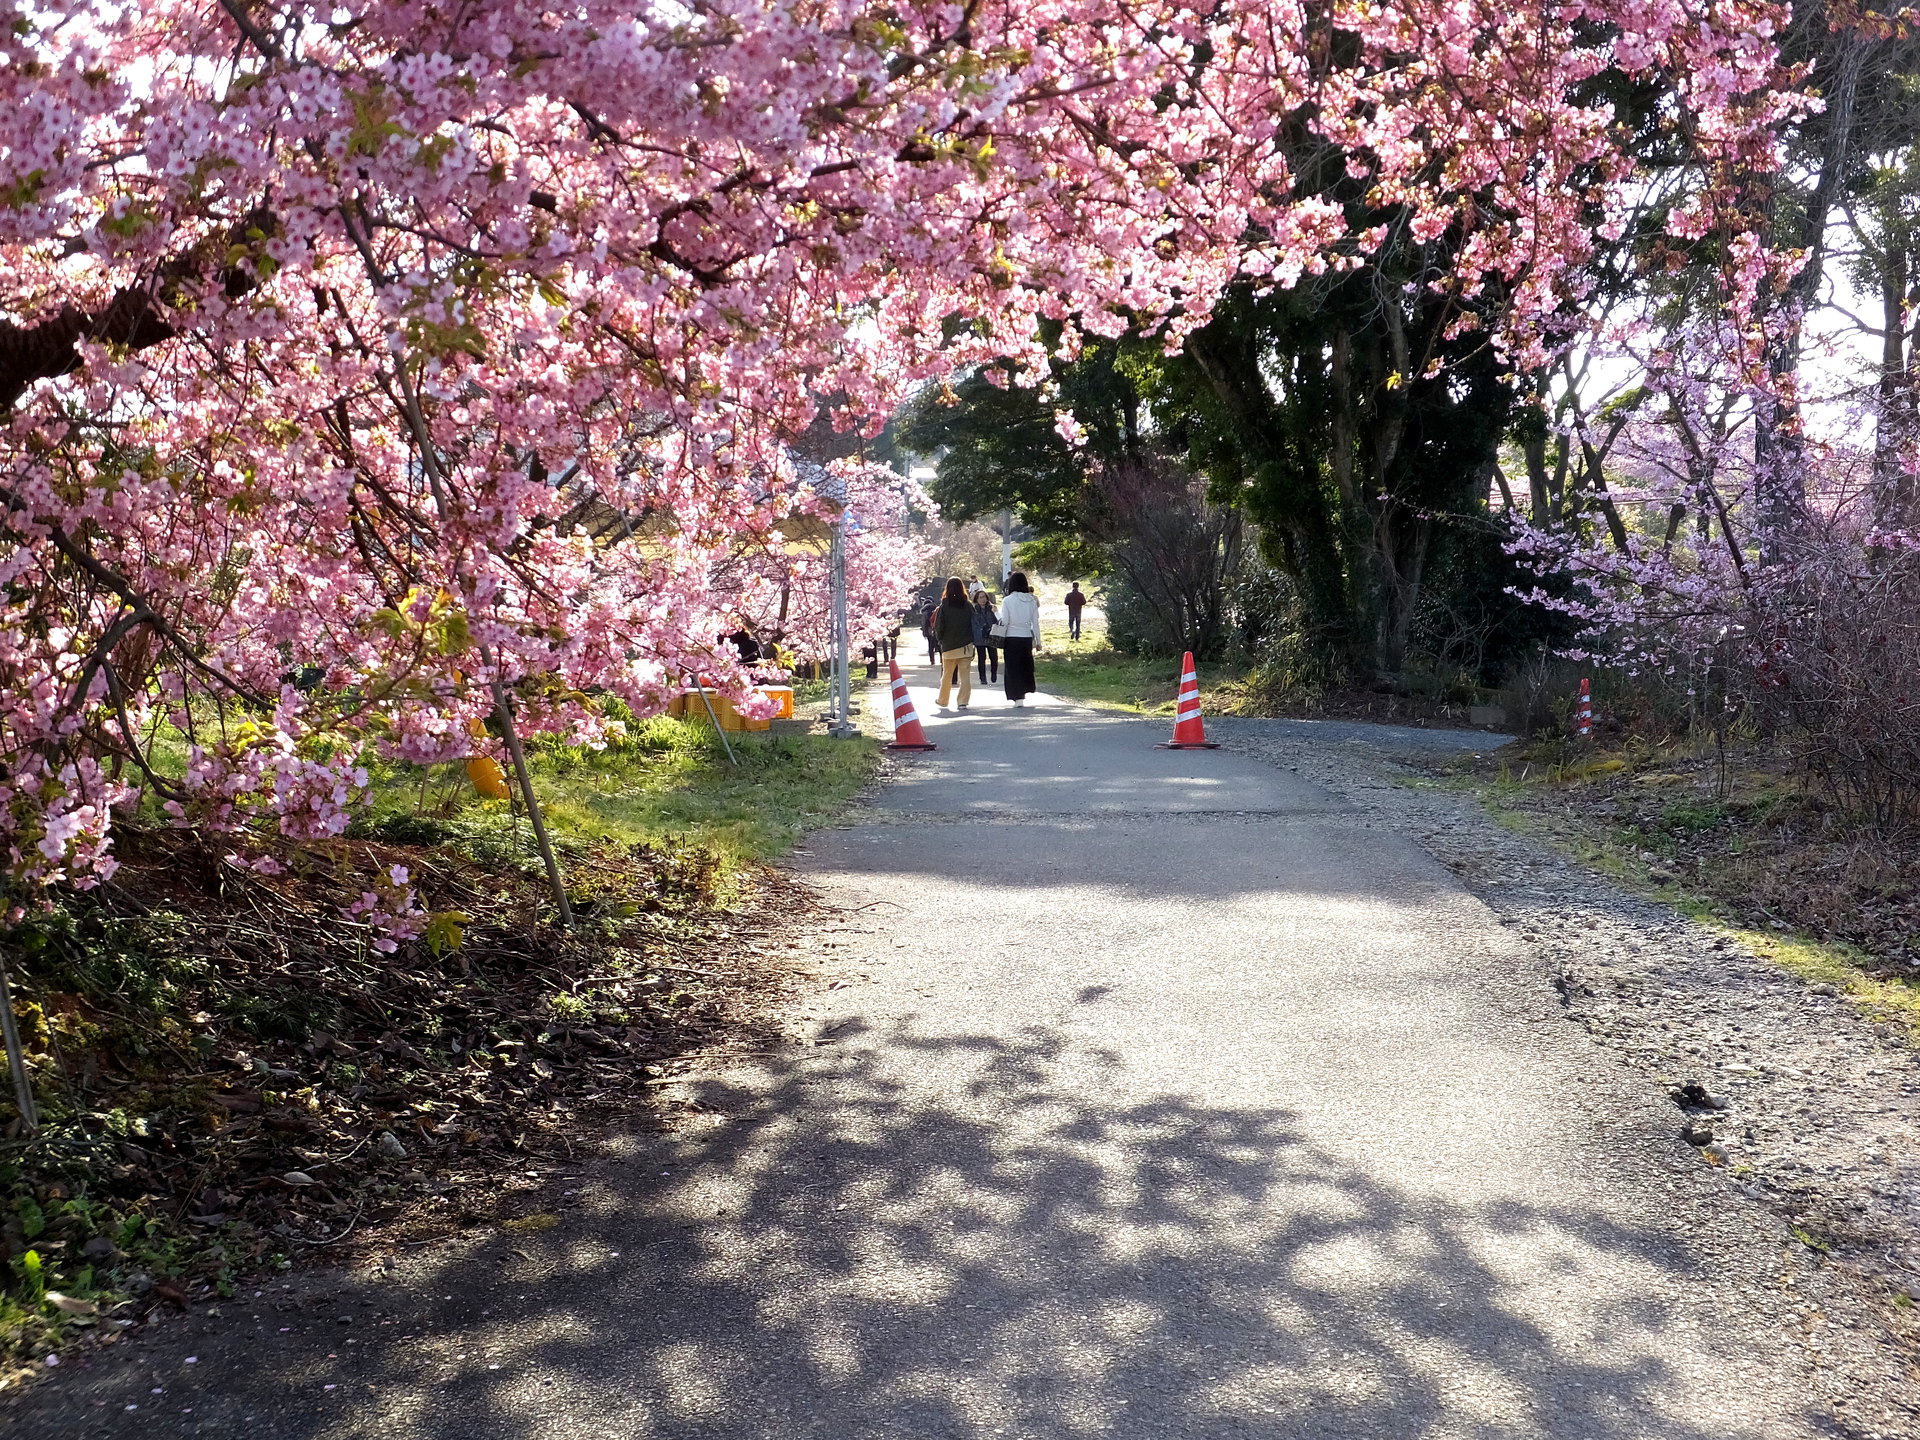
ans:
x=953 y=632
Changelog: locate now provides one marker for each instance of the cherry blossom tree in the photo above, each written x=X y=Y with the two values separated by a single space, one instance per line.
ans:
x=370 y=369
x=782 y=589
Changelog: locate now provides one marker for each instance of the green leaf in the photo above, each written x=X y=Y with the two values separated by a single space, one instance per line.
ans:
x=455 y=638
x=33 y=1283
x=445 y=932
x=389 y=622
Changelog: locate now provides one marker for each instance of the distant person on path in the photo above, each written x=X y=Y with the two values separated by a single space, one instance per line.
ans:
x=1020 y=637
x=1076 y=602
x=926 y=629
x=953 y=631
x=984 y=619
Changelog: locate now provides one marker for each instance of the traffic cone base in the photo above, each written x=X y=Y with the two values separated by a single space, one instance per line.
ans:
x=1188 y=732
x=907 y=734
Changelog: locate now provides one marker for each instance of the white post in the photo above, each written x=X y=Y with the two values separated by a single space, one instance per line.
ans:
x=842 y=727
x=1006 y=548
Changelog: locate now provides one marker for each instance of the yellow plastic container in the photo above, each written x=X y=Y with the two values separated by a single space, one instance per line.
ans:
x=693 y=707
x=783 y=694
x=487 y=777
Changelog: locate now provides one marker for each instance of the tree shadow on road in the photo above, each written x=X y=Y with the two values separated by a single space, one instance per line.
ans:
x=849 y=1257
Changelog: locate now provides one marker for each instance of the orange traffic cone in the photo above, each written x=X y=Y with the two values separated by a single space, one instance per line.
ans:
x=1188 y=732
x=907 y=734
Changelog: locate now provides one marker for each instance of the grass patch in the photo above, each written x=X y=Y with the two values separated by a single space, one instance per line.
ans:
x=674 y=782
x=1093 y=673
x=670 y=783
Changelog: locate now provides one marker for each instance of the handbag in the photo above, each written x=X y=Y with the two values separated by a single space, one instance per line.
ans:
x=997 y=631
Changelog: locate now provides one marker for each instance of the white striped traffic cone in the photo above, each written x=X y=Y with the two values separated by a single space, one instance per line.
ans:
x=1583 y=717
x=1188 y=732
x=907 y=734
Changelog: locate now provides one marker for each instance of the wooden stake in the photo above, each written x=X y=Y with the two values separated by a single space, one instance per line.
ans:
x=504 y=713
x=16 y=1055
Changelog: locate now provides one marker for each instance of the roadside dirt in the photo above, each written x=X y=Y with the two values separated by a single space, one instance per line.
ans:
x=247 y=1090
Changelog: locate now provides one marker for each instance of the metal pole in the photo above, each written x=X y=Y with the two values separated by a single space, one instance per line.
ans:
x=700 y=684
x=503 y=712
x=1006 y=547
x=16 y=1055
x=842 y=727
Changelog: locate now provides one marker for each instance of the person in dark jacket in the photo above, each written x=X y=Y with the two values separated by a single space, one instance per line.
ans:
x=926 y=629
x=744 y=645
x=953 y=632
x=984 y=619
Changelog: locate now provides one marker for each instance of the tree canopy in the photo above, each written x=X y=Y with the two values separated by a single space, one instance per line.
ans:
x=450 y=355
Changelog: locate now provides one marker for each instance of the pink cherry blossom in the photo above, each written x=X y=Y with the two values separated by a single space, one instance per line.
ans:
x=363 y=356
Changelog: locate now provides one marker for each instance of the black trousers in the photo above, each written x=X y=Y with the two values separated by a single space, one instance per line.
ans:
x=988 y=656
x=1019 y=666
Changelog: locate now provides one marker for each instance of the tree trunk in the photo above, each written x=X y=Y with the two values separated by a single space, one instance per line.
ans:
x=1779 y=442
x=1895 y=428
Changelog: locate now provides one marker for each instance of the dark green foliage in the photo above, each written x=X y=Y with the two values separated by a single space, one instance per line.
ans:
x=1131 y=626
x=1356 y=432
x=1470 y=620
x=999 y=446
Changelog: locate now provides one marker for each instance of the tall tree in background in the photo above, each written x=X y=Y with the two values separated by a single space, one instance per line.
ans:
x=1355 y=423
x=998 y=444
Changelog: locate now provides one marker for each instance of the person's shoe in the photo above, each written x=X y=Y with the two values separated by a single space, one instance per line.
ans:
x=963 y=707
x=1019 y=704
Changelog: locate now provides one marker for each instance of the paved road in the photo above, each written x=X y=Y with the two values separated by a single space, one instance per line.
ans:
x=1158 y=1098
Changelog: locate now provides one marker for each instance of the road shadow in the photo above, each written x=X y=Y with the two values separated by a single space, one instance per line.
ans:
x=1285 y=865
x=1029 y=1252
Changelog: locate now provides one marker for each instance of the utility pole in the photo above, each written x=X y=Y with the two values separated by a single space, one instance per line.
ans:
x=1006 y=548
x=842 y=727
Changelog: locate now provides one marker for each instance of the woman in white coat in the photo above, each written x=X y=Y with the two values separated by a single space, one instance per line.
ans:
x=1020 y=637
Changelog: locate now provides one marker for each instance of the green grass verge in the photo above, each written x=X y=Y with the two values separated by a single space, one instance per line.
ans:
x=670 y=783
x=1093 y=673
x=674 y=783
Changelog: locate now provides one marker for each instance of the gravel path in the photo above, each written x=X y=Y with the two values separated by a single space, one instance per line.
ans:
x=1146 y=1095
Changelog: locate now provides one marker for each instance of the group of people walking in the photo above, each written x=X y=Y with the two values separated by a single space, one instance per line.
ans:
x=964 y=631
